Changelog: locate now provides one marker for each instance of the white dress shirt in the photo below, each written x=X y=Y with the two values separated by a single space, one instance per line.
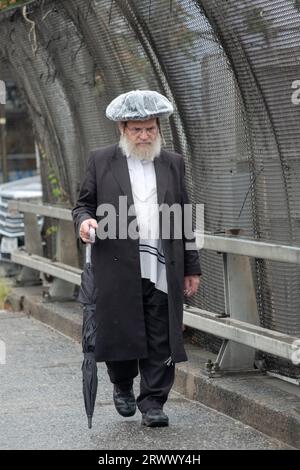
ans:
x=143 y=185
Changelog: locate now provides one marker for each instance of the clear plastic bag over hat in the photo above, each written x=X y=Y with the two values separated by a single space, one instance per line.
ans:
x=139 y=105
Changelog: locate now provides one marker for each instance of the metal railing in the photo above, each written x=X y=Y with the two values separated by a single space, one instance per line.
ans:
x=64 y=268
x=238 y=326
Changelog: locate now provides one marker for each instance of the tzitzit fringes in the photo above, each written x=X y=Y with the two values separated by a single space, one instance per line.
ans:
x=169 y=362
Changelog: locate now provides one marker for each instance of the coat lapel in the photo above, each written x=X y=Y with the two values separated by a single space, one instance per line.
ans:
x=161 y=165
x=120 y=171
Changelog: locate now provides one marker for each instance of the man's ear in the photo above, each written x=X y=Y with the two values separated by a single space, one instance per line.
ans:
x=160 y=131
x=158 y=125
x=121 y=126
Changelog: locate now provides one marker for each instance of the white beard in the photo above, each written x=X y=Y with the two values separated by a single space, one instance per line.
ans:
x=140 y=152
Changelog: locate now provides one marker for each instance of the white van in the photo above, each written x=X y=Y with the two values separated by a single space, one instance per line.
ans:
x=11 y=224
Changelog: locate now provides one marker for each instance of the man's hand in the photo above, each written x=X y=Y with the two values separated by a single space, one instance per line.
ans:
x=84 y=230
x=191 y=284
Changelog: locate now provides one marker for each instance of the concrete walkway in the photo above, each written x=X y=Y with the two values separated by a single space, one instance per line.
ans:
x=42 y=405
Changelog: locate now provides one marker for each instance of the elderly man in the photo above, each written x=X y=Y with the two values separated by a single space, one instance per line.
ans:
x=141 y=280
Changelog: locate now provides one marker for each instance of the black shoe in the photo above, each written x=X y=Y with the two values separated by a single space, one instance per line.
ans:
x=124 y=401
x=155 y=417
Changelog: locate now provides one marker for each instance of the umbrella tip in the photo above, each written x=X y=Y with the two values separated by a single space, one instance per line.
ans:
x=90 y=422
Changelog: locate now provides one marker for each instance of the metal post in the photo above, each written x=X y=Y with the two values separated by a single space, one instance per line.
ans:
x=37 y=158
x=3 y=143
x=33 y=245
x=240 y=304
x=66 y=253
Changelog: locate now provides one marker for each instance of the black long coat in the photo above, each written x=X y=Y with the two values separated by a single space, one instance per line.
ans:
x=121 y=330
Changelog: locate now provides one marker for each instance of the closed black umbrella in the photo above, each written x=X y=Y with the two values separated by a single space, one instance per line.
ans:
x=87 y=296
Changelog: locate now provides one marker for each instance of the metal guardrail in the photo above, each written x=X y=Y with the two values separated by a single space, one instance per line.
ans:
x=239 y=325
x=54 y=268
x=64 y=268
x=257 y=337
x=252 y=248
x=41 y=209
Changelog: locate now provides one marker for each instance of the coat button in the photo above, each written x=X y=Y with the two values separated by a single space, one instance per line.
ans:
x=172 y=262
x=115 y=258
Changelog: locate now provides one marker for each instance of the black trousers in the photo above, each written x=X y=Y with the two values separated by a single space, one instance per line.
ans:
x=157 y=375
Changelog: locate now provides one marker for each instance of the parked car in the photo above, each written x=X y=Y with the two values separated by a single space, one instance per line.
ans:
x=12 y=224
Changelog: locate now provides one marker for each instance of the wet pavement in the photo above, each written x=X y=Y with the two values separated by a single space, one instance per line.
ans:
x=42 y=405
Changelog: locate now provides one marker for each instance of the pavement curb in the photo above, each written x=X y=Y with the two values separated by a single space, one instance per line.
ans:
x=261 y=415
x=260 y=402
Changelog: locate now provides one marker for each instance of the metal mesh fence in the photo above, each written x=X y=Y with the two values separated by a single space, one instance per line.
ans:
x=228 y=65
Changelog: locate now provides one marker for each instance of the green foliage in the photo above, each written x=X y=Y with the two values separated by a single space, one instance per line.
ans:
x=58 y=194
x=51 y=230
x=257 y=23
x=6 y=4
x=296 y=4
x=4 y=291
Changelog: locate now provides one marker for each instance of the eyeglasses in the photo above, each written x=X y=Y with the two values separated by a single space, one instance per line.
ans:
x=139 y=130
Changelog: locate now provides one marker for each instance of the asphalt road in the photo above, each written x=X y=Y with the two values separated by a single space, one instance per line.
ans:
x=42 y=405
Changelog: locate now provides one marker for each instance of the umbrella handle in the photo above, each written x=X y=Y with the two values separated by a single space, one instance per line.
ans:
x=88 y=251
